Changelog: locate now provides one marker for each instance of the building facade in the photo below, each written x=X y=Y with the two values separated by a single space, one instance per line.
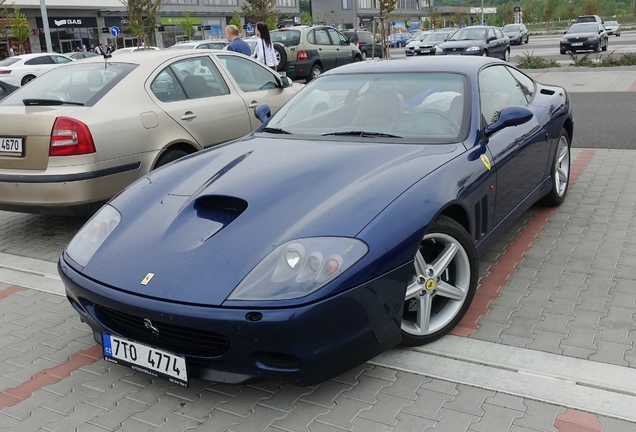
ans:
x=80 y=24
x=360 y=13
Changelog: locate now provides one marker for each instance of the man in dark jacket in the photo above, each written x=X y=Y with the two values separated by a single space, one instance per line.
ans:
x=236 y=43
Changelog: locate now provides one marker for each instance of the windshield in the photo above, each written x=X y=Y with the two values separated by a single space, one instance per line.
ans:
x=583 y=28
x=183 y=46
x=9 y=61
x=420 y=37
x=79 y=83
x=286 y=37
x=436 y=37
x=512 y=28
x=611 y=23
x=420 y=107
x=469 y=34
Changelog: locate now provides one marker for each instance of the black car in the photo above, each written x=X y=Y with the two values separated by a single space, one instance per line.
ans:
x=590 y=36
x=364 y=41
x=5 y=89
x=486 y=41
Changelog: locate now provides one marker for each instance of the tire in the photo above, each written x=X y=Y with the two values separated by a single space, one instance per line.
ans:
x=364 y=55
x=26 y=79
x=281 y=56
x=527 y=39
x=484 y=53
x=170 y=155
x=507 y=56
x=357 y=59
x=605 y=46
x=560 y=172
x=562 y=51
x=315 y=72
x=439 y=292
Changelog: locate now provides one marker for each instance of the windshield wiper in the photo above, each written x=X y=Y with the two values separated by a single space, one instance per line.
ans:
x=274 y=130
x=363 y=134
x=48 y=102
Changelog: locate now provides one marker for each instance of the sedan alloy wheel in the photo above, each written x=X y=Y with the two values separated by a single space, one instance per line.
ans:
x=442 y=285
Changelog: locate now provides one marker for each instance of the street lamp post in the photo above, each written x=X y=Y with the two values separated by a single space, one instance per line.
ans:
x=47 y=31
x=482 y=12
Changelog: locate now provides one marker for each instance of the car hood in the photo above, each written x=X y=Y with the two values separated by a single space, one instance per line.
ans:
x=172 y=224
x=580 y=36
x=512 y=33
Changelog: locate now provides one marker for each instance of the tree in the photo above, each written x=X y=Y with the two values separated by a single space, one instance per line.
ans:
x=261 y=11
x=305 y=17
x=569 y=10
x=527 y=12
x=506 y=13
x=457 y=16
x=236 y=20
x=188 y=25
x=4 y=19
x=20 y=28
x=549 y=11
x=591 y=7
x=142 y=18
x=386 y=7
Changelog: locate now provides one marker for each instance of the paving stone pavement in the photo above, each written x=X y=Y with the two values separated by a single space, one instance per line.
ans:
x=573 y=295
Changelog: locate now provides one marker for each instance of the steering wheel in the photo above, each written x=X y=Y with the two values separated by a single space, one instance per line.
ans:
x=452 y=124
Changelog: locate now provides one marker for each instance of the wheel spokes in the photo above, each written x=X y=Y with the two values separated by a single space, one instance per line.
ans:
x=444 y=259
x=449 y=291
x=420 y=267
x=424 y=313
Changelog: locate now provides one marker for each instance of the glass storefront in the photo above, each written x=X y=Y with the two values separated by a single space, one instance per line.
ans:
x=70 y=34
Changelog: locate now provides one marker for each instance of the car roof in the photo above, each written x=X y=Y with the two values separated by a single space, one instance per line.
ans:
x=153 y=57
x=462 y=64
x=32 y=55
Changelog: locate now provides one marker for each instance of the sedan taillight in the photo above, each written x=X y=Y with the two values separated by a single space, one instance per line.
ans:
x=70 y=137
x=5 y=72
x=302 y=55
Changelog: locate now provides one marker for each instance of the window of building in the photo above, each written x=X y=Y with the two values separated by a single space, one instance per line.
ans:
x=286 y=3
x=367 y=4
x=219 y=2
x=347 y=4
x=191 y=2
x=408 y=4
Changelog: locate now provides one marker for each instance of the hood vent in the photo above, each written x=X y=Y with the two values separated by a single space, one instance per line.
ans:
x=219 y=208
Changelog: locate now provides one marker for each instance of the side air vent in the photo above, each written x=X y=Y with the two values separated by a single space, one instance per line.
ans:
x=481 y=217
x=547 y=92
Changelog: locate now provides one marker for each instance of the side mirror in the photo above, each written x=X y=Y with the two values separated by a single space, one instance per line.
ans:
x=285 y=82
x=263 y=112
x=490 y=39
x=510 y=116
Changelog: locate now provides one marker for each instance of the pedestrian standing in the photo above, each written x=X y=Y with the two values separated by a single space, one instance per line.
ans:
x=264 y=51
x=236 y=43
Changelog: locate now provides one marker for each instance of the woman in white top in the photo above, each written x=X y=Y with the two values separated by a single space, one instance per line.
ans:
x=264 y=51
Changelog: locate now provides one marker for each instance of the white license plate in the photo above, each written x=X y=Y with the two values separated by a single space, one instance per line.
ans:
x=577 y=44
x=145 y=359
x=11 y=146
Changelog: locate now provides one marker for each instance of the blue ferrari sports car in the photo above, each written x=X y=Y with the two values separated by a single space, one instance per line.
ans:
x=351 y=221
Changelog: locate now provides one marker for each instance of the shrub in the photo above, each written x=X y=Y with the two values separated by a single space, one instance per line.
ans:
x=530 y=61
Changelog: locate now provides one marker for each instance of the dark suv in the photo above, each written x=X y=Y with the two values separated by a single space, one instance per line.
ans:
x=364 y=41
x=307 y=51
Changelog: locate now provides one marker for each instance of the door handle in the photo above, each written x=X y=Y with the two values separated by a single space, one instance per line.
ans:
x=189 y=115
x=254 y=104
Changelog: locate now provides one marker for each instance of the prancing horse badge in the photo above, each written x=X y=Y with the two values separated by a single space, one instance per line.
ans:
x=147 y=278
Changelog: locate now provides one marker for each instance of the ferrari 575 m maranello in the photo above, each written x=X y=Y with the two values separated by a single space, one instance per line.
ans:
x=350 y=222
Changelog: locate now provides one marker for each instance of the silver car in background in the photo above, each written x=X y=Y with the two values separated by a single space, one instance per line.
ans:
x=612 y=28
x=518 y=33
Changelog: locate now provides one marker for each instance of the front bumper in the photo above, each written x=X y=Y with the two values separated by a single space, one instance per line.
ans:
x=305 y=345
x=585 y=46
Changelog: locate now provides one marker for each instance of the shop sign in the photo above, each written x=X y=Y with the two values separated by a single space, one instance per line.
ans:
x=68 y=22
x=177 y=20
x=120 y=22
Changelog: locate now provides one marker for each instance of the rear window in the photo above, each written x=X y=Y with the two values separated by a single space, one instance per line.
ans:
x=286 y=37
x=9 y=61
x=77 y=84
x=586 y=19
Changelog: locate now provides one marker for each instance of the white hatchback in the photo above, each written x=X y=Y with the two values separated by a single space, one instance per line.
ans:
x=21 y=69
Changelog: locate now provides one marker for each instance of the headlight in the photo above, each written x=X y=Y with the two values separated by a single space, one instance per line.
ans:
x=564 y=40
x=298 y=268
x=473 y=48
x=86 y=242
x=592 y=39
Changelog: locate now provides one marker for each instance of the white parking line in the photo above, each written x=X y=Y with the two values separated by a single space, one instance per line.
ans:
x=30 y=273
x=585 y=385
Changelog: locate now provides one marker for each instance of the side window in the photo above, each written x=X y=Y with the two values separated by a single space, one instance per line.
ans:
x=499 y=33
x=249 y=75
x=336 y=37
x=166 y=87
x=322 y=38
x=61 y=60
x=525 y=84
x=311 y=37
x=2 y=90
x=39 y=60
x=365 y=37
x=199 y=77
x=497 y=90
x=491 y=33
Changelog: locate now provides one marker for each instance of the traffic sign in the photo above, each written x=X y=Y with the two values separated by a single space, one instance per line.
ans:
x=114 y=31
x=249 y=27
x=334 y=25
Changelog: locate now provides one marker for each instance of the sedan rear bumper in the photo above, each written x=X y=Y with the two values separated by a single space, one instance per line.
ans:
x=305 y=344
x=71 y=194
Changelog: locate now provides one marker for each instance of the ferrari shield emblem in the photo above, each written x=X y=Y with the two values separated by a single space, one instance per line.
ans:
x=430 y=284
x=486 y=161
x=147 y=279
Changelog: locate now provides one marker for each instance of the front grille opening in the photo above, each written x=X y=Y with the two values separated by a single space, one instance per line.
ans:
x=278 y=360
x=181 y=340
